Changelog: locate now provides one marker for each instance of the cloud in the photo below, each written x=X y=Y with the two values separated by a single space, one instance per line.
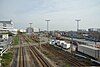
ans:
x=62 y=13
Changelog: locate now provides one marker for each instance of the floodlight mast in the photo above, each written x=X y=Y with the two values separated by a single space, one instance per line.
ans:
x=47 y=27
x=77 y=24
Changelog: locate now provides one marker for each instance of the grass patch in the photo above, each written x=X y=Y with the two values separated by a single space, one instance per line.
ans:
x=52 y=46
x=29 y=38
x=7 y=58
x=16 y=40
x=56 y=60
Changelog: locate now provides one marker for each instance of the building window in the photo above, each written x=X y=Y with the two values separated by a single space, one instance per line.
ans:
x=4 y=25
x=0 y=36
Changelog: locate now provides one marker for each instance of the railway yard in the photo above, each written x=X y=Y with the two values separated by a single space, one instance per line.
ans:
x=49 y=33
x=36 y=54
x=29 y=56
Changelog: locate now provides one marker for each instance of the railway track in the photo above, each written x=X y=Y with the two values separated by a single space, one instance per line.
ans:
x=21 y=57
x=40 y=60
x=67 y=57
x=30 y=56
x=14 y=63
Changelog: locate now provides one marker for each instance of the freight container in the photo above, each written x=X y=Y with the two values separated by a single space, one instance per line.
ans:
x=89 y=50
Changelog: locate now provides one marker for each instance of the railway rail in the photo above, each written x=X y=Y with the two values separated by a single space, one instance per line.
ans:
x=30 y=56
x=67 y=57
x=21 y=57
x=40 y=59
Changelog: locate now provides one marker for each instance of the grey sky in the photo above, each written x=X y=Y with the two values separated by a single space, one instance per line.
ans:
x=62 y=13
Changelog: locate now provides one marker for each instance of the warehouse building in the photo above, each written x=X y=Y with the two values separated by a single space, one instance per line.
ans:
x=29 y=30
x=8 y=25
x=5 y=27
x=94 y=29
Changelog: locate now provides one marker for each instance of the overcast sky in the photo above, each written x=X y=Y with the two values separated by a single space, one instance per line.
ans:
x=62 y=13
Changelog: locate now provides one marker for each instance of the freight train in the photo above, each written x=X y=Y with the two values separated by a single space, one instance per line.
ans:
x=91 y=51
x=78 y=36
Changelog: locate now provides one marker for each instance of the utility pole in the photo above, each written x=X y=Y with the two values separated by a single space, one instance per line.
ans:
x=39 y=35
x=77 y=24
x=47 y=28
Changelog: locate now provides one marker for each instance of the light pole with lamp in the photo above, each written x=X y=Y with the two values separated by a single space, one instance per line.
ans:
x=47 y=29
x=77 y=24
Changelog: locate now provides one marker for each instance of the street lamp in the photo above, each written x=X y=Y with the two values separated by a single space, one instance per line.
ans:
x=77 y=24
x=39 y=35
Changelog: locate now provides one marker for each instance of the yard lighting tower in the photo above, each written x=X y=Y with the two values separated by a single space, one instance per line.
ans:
x=30 y=28
x=77 y=24
x=47 y=27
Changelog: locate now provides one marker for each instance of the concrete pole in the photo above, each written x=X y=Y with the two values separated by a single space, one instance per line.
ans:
x=77 y=24
x=47 y=28
x=30 y=28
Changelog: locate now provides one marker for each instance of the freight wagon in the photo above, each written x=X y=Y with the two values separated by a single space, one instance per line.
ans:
x=65 y=45
x=89 y=50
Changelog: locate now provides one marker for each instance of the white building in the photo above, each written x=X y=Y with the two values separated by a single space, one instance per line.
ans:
x=6 y=25
x=36 y=29
x=3 y=36
x=29 y=30
x=22 y=30
x=94 y=29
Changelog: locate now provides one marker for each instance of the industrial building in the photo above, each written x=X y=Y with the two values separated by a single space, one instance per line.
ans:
x=94 y=29
x=29 y=30
x=7 y=26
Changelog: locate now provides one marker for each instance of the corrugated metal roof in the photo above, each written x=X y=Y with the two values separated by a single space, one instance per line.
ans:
x=6 y=22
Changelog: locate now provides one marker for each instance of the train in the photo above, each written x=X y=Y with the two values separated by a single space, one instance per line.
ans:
x=60 y=43
x=3 y=48
x=78 y=36
x=89 y=50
